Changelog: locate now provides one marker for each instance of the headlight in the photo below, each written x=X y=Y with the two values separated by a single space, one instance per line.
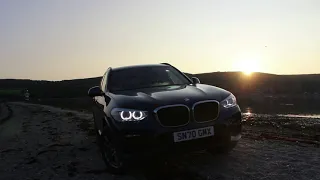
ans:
x=229 y=102
x=124 y=115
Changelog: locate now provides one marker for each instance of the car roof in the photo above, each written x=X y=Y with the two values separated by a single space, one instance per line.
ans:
x=138 y=66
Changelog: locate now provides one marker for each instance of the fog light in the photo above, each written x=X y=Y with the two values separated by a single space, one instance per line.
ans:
x=236 y=138
x=132 y=135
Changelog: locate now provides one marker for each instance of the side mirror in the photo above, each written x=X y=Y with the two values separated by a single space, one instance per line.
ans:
x=95 y=91
x=195 y=80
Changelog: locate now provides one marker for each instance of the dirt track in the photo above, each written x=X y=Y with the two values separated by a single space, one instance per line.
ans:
x=42 y=142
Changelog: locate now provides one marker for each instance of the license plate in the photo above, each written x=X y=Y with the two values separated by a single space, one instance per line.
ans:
x=193 y=134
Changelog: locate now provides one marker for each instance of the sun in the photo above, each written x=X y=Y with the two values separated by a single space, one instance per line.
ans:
x=248 y=73
x=247 y=66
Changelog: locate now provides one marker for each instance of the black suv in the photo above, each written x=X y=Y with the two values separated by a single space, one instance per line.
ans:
x=148 y=110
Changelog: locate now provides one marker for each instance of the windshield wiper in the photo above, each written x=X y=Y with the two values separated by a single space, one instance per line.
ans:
x=145 y=87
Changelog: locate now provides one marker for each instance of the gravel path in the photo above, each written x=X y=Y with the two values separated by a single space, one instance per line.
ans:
x=42 y=142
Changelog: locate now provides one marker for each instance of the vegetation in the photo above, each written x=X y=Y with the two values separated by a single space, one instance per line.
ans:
x=5 y=92
x=256 y=87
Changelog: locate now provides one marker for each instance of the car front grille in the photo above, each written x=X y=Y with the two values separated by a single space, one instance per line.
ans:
x=206 y=111
x=177 y=115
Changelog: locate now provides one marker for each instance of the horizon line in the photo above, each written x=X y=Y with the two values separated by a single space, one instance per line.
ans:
x=183 y=72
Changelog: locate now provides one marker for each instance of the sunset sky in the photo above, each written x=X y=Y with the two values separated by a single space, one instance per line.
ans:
x=67 y=39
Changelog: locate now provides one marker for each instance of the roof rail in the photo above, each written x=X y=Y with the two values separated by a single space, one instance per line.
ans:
x=109 y=69
x=166 y=64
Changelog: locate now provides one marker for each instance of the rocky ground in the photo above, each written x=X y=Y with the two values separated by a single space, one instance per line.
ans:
x=43 y=142
x=298 y=128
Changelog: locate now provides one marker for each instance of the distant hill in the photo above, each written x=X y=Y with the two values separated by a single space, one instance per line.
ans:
x=236 y=82
x=263 y=83
x=52 y=89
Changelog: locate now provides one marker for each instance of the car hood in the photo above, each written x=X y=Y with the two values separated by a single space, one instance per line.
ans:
x=168 y=95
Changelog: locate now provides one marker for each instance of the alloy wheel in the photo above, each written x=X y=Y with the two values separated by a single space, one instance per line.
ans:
x=110 y=154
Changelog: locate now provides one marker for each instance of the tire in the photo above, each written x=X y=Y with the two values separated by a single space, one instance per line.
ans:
x=225 y=146
x=96 y=130
x=111 y=155
x=222 y=149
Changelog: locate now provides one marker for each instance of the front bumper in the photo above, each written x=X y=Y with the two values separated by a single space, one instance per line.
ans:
x=150 y=141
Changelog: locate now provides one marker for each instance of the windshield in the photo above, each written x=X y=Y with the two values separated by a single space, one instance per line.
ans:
x=145 y=77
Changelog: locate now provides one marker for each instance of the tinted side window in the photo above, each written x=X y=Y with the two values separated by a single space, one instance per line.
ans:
x=174 y=77
x=104 y=81
x=101 y=82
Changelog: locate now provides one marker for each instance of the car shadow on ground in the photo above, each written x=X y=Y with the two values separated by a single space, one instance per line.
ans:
x=187 y=167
